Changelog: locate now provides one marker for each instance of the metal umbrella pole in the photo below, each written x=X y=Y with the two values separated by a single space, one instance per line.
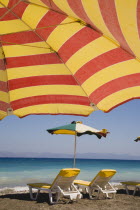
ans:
x=74 y=151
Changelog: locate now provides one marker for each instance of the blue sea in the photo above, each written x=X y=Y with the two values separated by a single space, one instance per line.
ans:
x=17 y=172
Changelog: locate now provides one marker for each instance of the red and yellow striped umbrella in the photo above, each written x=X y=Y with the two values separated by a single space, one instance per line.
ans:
x=68 y=56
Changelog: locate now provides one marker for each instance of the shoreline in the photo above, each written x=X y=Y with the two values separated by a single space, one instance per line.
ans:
x=71 y=158
x=25 y=188
x=17 y=189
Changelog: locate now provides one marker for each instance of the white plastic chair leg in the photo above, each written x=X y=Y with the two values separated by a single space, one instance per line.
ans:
x=126 y=189
x=107 y=195
x=90 y=191
x=79 y=196
x=51 y=198
x=31 y=194
x=98 y=194
x=135 y=190
x=114 y=195
x=57 y=197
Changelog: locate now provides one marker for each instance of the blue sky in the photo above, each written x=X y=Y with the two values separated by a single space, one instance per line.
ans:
x=29 y=134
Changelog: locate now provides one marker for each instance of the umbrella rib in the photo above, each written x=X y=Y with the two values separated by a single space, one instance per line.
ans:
x=57 y=24
x=51 y=49
x=26 y=45
x=9 y=10
x=50 y=2
x=33 y=29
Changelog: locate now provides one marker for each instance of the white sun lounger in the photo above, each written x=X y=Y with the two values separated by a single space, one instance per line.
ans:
x=62 y=186
x=100 y=184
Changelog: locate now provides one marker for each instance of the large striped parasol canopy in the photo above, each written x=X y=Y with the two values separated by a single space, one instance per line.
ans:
x=68 y=56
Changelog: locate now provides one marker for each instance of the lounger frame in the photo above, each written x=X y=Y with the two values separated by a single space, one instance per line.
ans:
x=71 y=194
x=62 y=186
x=99 y=184
x=131 y=184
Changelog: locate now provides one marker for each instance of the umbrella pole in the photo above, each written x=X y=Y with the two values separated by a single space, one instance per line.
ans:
x=74 y=151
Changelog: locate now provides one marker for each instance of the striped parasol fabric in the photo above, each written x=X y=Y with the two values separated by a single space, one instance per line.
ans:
x=68 y=56
x=77 y=128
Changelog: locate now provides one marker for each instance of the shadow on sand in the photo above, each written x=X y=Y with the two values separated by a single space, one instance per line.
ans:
x=43 y=197
x=123 y=191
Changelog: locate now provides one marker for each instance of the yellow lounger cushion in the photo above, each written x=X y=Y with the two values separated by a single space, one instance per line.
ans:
x=40 y=185
x=131 y=183
x=106 y=173
x=86 y=183
x=69 y=172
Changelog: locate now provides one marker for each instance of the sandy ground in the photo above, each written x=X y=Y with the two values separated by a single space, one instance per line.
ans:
x=10 y=200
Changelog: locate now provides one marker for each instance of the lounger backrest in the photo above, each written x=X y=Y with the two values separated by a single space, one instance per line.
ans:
x=65 y=178
x=103 y=177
